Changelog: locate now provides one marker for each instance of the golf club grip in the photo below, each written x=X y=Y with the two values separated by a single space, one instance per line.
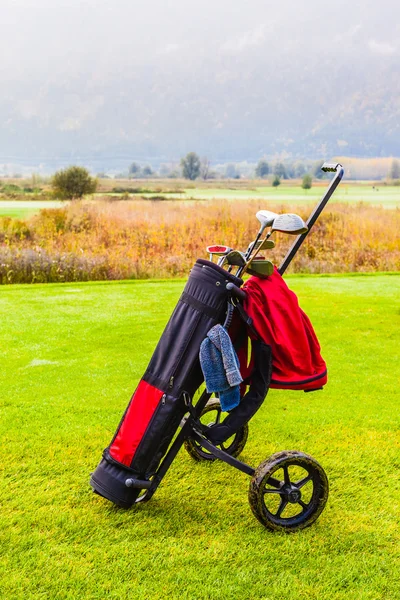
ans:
x=312 y=219
x=235 y=291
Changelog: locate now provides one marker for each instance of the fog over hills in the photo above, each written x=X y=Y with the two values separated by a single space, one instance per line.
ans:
x=106 y=82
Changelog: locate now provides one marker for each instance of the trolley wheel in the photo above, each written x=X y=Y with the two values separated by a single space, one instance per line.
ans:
x=288 y=491
x=211 y=415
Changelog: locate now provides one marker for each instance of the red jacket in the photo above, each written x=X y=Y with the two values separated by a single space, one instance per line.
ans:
x=297 y=363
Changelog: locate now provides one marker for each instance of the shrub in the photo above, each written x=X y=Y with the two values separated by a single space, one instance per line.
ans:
x=73 y=183
x=276 y=181
x=307 y=182
x=28 y=265
x=145 y=238
x=191 y=166
x=13 y=229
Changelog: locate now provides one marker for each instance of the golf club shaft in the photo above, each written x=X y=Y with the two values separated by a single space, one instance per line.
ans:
x=250 y=250
x=312 y=219
x=249 y=258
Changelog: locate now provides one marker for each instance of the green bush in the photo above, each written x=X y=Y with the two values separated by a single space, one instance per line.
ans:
x=191 y=166
x=25 y=265
x=13 y=230
x=73 y=183
x=307 y=182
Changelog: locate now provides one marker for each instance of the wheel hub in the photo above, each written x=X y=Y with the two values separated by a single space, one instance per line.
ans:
x=292 y=493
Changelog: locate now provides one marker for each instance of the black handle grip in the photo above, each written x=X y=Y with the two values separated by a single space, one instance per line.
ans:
x=330 y=167
x=235 y=291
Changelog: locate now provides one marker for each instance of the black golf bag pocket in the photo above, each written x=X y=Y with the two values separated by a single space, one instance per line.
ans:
x=157 y=406
x=174 y=343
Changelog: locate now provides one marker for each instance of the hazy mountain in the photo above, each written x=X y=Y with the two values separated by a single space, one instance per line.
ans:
x=85 y=81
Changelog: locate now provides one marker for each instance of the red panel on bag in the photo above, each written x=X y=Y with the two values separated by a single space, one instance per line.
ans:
x=140 y=411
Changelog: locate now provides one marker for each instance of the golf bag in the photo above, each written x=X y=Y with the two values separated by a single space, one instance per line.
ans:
x=167 y=386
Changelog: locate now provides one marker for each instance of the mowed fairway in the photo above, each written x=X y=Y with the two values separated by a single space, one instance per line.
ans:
x=387 y=196
x=25 y=209
x=71 y=357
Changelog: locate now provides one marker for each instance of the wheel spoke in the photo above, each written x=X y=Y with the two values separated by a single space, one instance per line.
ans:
x=225 y=448
x=282 y=507
x=286 y=473
x=299 y=484
x=271 y=491
x=218 y=419
x=275 y=482
x=303 y=505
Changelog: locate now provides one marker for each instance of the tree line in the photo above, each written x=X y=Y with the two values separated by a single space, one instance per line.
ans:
x=193 y=167
x=75 y=182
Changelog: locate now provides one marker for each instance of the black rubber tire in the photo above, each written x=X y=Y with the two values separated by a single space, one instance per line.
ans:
x=265 y=485
x=233 y=446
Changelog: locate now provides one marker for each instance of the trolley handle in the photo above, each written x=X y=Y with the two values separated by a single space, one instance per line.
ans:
x=235 y=291
x=327 y=168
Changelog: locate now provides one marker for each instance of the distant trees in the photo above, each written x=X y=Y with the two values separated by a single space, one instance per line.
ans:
x=394 y=171
x=205 y=168
x=299 y=169
x=316 y=169
x=134 y=170
x=73 y=183
x=306 y=184
x=191 y=166
x=147 y=171
x=276 y=181
x=280 y=170
x=232 y=172
x=262 y=169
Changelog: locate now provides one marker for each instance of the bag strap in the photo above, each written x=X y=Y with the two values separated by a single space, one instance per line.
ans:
x=248 y=321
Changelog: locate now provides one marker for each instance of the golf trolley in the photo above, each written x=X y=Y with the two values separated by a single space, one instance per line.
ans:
x=289 y=490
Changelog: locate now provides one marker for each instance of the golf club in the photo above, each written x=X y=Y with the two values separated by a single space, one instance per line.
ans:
x=289 y=223
x=285 y=223
x=261 y=268
x=217 y=250
x=266 y=218
x=264 y=245
x=235 y=258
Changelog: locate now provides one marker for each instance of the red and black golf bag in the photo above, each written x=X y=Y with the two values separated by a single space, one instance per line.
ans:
x=169 y=382
x=285 y=354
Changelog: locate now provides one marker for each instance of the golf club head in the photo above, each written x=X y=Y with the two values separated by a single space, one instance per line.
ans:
x=260 y=268
x=218 y=249
x=289 y=223
x=262 y=245
x=236 y=258
x=266 y=218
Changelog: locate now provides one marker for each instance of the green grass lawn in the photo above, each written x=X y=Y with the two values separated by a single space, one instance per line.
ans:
x=381 y=195
x=72 y=355
x=25 y=208
x=287 y=193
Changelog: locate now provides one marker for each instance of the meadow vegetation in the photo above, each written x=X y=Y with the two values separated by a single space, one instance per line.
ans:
x=112 y=239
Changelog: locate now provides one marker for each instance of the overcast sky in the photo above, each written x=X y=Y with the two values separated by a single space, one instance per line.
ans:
x=65 y=65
